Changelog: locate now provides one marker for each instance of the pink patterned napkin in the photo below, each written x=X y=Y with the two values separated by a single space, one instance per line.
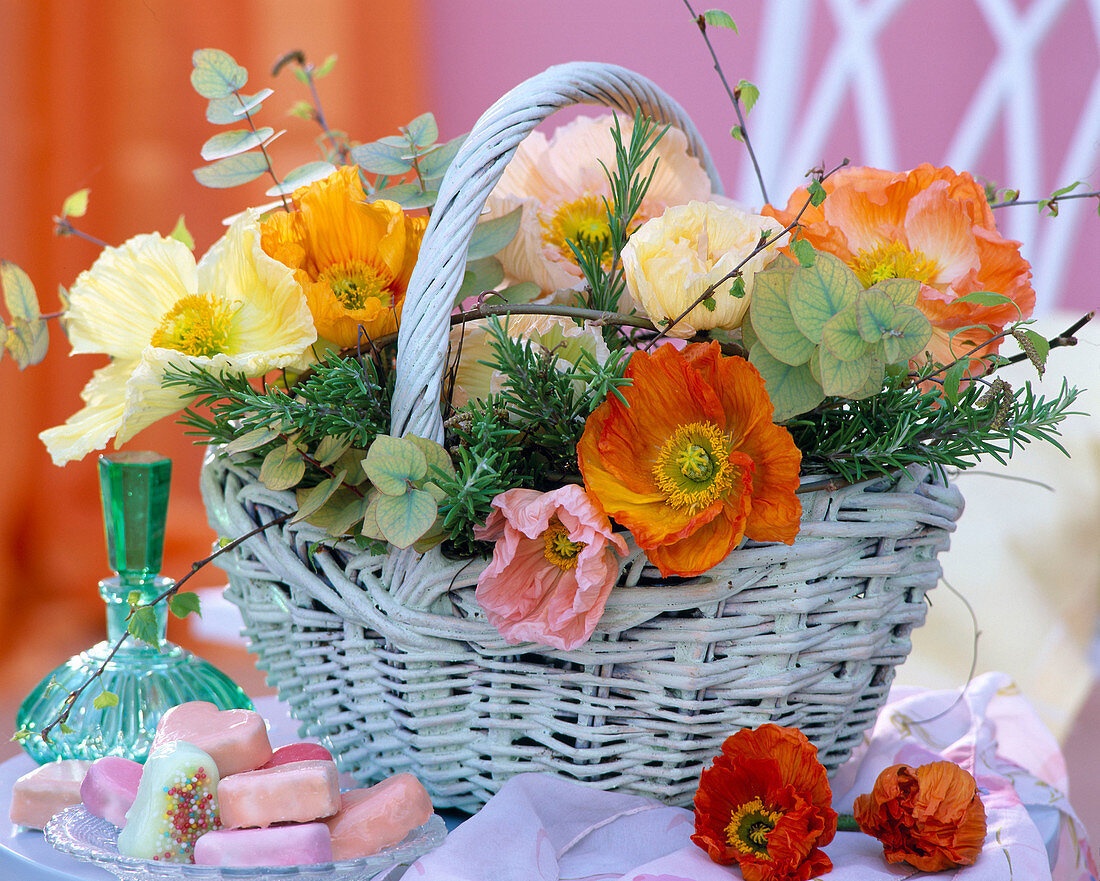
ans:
x=542 y=828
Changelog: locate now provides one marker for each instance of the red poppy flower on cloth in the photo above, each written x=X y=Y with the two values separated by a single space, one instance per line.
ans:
x=692 y=461
x=931 y=817
x=765 y=804
x=930 y=224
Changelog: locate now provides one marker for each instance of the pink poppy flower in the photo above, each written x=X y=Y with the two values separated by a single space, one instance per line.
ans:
x=553 y=566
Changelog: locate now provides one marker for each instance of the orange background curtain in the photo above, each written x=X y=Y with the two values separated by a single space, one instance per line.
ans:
x=97 y=94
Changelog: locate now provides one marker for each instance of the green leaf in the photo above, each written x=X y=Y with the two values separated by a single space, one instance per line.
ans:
x=370 y=528
x=181 y=234
x=408 y=196
x=875 y=316
x=770 y=316
x=216 y=74
x=792 y=389
x=143 y=625
x=748 y=93
x=379 y=158
x=492 y=235
x=76 y=205
x=423 y=131
x=28 y=341
x=232 y=108
x=737 y=133
x=232 y=172
x=1061 y=191
x=819 y=292
x=331 y=448
x=847 y=378
x=403 y=519
x=984 y=298
x=521 y=292
x=480 y=276
x=344 y=510
x=258 y=437
x=817 y=193
x=231 y=143
x=302 y=176
x=19 y=294
x=909 y=333
x=326 y=67
x=314 y=498
x=434 y=165
x=3 y=337
x=952 y=378
x=842 y=336
x=436 y=457
x=392 y=462
x=901 y=291
x=804 y=252
x=105 y=699
x=184 y=603
x=282 y=468
x=719 y=18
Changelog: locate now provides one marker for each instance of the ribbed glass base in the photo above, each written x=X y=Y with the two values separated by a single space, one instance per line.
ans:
x=147 y=681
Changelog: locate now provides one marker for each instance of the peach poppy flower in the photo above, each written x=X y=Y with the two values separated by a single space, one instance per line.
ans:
x=765 y=804
x=554 y=564
x=930 y=224
x=931 y=817
x=560 y=185
x=353 y=258
x=692 y=462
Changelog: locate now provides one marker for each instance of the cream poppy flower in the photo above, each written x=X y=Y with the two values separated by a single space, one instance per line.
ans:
x=149 y=306
x=560 y=185
x=471 y=343
x=672 y=259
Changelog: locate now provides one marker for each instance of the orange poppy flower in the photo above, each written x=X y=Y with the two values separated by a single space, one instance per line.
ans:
x=932 y=225
x=692 y=462
x=353 y=258
x=765 y=804
x=931 y=817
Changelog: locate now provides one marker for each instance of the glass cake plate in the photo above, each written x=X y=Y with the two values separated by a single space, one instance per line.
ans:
x=80 y=834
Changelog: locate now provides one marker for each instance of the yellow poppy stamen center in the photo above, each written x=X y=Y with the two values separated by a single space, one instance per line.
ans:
x=693 y=467
x=197 y=325
x=559 y=549
x=354 y=282
x=749 y=828
x=581 y=220
x=893 y=260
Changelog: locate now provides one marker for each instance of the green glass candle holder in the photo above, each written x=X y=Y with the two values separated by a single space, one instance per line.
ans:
x=147 y=678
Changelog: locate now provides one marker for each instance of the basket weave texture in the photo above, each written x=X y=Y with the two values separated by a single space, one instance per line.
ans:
x=390 y=661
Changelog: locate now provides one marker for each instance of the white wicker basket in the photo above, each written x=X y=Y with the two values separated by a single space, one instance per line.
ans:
x=389 y=660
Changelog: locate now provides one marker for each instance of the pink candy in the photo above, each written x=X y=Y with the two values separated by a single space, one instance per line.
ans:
x=49 y=788
x=297 y=752
x=373 y=819
x=296 y=792
x=235 y=739
x=274 y=846
x=109 y=788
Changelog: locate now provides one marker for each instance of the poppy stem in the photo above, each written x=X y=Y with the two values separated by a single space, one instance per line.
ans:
x=847 y=823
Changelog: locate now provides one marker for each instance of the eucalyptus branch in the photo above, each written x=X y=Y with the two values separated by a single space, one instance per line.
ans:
x=263 y=149
x=71 y=698
x=765 y=240
x=1049 y=202
x=338 y=145
x=734 y=97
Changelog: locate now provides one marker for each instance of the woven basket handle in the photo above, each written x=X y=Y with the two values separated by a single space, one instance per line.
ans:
x=425 y=317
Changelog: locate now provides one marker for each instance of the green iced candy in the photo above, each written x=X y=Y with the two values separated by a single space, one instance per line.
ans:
x=177 y=801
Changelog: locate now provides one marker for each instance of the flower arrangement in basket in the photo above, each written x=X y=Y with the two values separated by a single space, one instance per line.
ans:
x=538 y=452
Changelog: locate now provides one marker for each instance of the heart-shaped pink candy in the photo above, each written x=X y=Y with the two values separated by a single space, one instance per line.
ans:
x=235 y=739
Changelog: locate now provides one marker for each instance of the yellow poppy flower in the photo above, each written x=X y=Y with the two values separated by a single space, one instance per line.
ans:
x=149 y=306
x=353 y=258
